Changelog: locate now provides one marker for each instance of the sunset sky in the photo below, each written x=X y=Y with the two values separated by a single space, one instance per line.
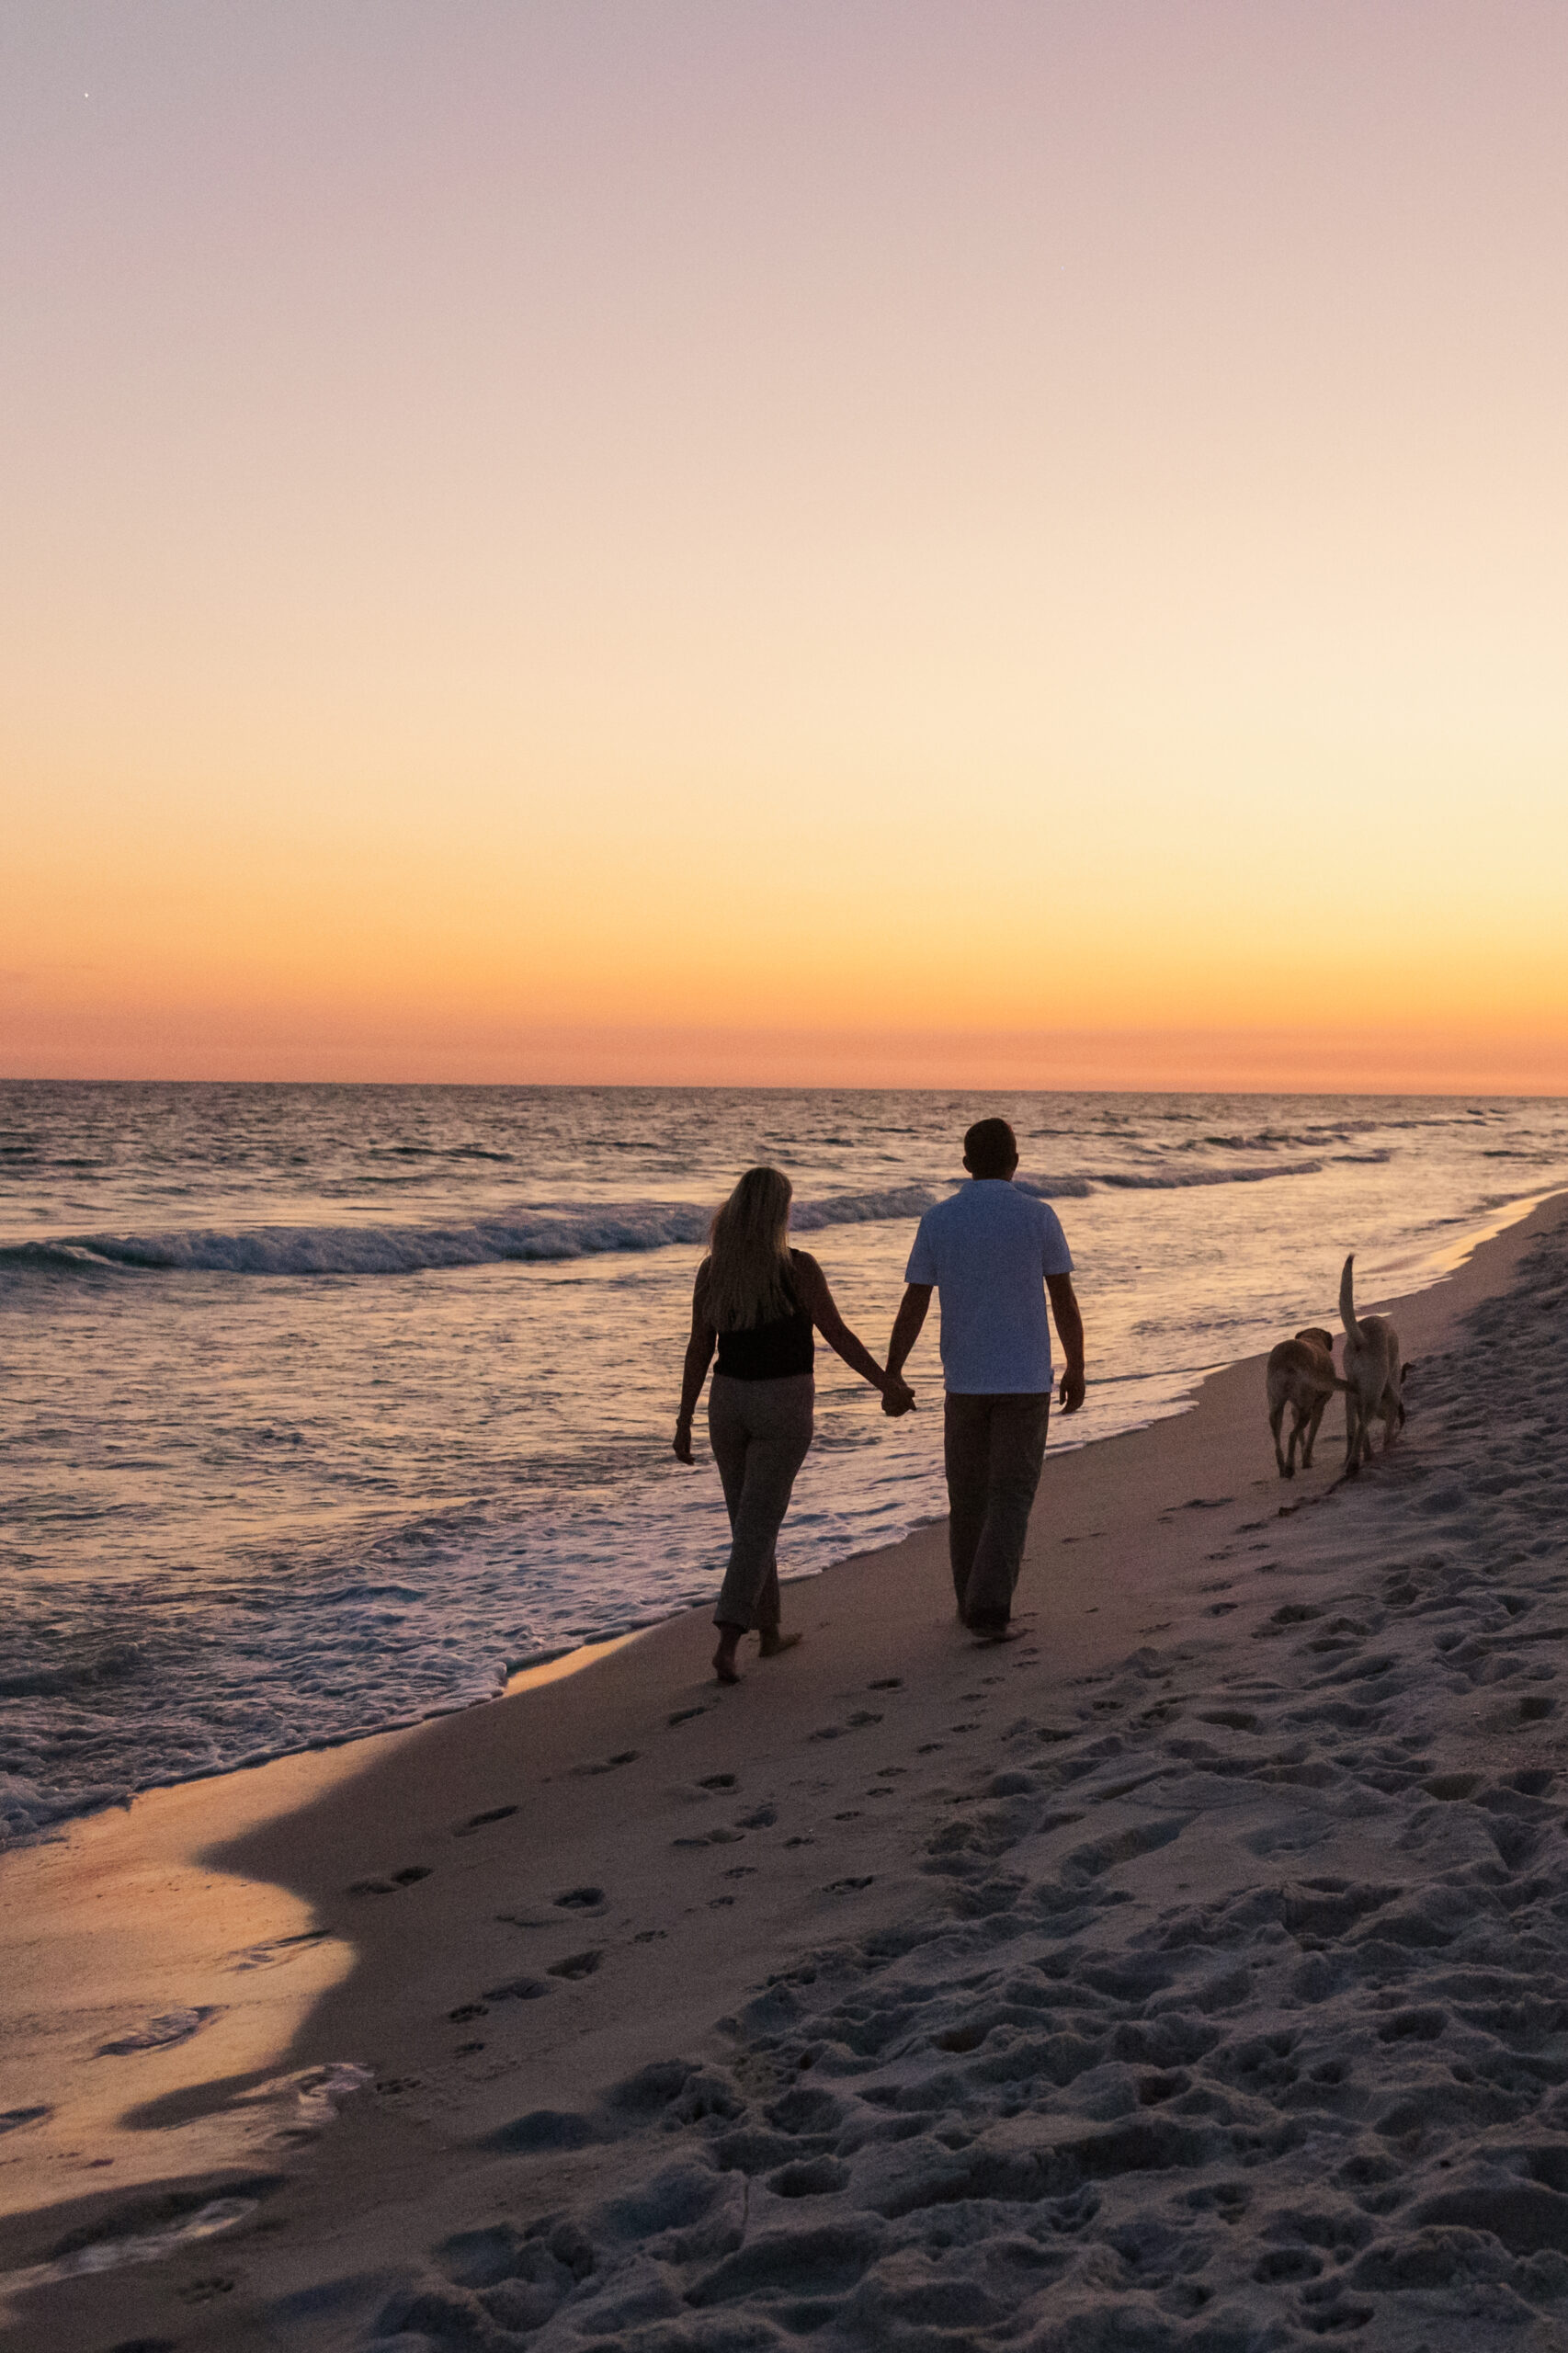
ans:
x=945 y=541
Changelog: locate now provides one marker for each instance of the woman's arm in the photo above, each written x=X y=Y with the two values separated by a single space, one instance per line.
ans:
x=699 y=1357
x=818 y=1302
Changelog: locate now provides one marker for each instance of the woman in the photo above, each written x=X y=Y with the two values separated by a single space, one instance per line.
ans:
x=757 y=1301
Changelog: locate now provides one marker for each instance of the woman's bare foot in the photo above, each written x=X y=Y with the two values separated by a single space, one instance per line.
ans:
x=772 y=1643
x=724 y=1665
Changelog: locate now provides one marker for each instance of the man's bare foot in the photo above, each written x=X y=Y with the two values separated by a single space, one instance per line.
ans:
x=724 y=1665
x=771 y=1643
x=989 y=1634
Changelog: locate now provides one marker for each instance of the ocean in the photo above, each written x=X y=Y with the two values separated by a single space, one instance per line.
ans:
x=327 y=1408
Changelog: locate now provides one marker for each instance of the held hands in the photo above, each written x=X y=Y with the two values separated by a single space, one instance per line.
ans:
x=897 y=1397
x=682 y=1442
x=1071 y=1390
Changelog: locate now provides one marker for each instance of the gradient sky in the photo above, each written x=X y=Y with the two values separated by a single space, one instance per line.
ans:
x=966 y=542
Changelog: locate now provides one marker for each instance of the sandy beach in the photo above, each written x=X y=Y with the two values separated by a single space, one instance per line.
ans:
x=1191 y=1972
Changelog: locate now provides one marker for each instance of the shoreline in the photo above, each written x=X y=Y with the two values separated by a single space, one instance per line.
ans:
x=183 y=1907
x=1438 y=1267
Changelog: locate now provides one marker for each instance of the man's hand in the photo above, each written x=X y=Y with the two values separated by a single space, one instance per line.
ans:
x=683 y=1441
x=1070 y=1325
x=898 y=1398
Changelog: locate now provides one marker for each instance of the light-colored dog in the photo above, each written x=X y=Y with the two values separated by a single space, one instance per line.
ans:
x=1374 y=1376
x=1300 y=1375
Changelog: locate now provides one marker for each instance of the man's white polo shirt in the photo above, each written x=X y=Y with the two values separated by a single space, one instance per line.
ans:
x=988 y=1250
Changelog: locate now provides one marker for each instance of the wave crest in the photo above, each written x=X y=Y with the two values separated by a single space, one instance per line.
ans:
x=529 y=1236
x=535 y=1235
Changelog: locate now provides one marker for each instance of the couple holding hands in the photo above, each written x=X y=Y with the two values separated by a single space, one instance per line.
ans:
x=993 y=1253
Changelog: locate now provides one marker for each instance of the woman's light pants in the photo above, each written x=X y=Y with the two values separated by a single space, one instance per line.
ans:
x=760 y=1431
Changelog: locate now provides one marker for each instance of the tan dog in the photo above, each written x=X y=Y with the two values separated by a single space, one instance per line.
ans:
x=1373 y=1376
x=1300 y=1375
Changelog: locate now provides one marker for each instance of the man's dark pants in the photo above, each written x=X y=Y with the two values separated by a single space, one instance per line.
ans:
x=994 y=1447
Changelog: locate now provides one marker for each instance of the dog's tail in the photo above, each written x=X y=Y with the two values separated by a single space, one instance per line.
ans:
x=1348 y=1300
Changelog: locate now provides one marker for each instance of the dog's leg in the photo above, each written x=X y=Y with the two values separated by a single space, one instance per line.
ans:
x=1276 y=1419
x=1352 y=1434
x=1313 y=1422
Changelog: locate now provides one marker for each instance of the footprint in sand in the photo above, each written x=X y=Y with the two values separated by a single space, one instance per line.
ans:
x=13 y=2118
x=684 y=1716
x=887 y=1683
x=847 y=1886
x=581 y=1899
x=718 y=1781
x=762 y=1817
x=479 y=1820
x=279 y=1949
x=410 y=1876
x=159 y=2034
x=204 y=2292
x=623 y=1757
x=578 y=1966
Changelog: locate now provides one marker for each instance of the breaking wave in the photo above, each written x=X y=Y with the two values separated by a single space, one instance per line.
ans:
x=1163 y=1180
x=533 y=1236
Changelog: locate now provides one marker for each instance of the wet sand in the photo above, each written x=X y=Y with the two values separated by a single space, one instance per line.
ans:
x=1164 y=1971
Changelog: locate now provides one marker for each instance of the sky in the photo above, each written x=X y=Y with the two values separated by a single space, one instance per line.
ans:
x=1014 y=543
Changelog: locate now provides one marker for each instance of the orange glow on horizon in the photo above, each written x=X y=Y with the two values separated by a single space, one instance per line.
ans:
x=789 y=545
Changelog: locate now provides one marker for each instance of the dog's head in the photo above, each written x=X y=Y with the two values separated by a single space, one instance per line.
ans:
x=1316 y=1338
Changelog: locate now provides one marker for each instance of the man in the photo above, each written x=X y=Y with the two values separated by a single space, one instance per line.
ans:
x=988 y=1250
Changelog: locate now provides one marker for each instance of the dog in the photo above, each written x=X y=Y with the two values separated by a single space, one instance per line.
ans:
x=1374 y=1377
x=1300 y=1375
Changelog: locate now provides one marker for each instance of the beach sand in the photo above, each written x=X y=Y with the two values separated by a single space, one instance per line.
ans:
x=1191 y=1972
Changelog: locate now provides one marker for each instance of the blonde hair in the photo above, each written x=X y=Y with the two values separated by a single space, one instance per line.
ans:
x=748 y=1262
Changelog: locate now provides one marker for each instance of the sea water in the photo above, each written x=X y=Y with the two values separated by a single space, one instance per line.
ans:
x=327 y=1407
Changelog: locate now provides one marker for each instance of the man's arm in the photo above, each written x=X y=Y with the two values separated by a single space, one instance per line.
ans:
x=906 y=1327
x=1070 y=1325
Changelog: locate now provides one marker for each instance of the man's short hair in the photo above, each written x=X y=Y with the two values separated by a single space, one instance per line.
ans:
x=990 y=1149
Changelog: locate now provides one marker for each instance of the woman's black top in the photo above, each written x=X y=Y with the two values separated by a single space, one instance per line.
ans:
x=769 y=1351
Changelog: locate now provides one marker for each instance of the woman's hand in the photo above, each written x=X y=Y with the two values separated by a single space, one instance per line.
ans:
x=683 y=1453
x=897 y=1396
